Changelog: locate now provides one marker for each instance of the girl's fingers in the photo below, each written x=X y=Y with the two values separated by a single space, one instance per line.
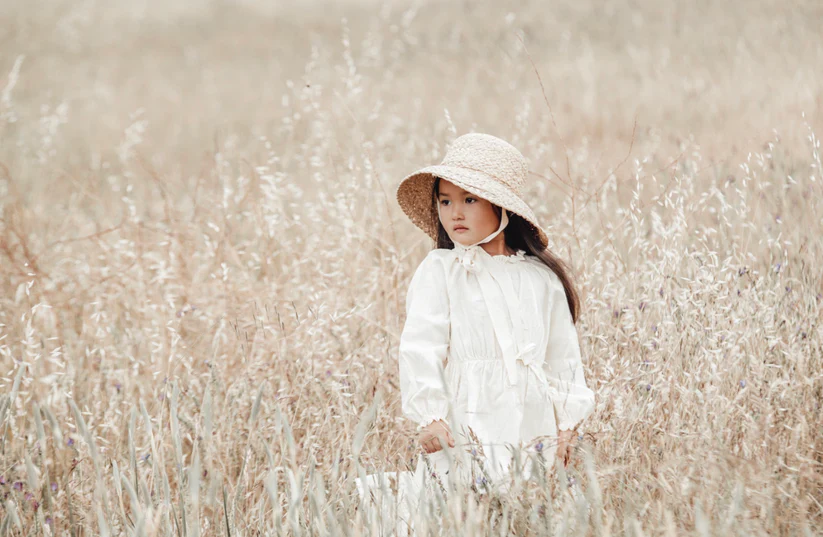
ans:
x=431 y=443
x=563 y=453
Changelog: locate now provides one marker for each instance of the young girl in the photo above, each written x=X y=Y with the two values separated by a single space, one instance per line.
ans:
x=489 y=355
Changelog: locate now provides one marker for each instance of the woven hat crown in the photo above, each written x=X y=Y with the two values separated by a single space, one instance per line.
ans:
x=488 y=154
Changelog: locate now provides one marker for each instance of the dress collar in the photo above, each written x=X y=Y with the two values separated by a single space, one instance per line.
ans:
x=470 y=256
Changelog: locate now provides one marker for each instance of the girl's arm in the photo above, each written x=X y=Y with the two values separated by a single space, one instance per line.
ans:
x=574 y=401
x=424 y=344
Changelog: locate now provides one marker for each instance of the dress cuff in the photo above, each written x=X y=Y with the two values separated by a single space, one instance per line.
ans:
x=424 y=423
x=571 y=409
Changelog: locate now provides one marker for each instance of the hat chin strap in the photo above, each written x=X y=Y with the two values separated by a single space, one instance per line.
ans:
x=504 y=221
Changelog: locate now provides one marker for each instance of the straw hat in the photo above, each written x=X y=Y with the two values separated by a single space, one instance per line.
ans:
x=479 y=163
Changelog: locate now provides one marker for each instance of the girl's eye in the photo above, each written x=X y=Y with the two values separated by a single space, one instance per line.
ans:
x=468 y=198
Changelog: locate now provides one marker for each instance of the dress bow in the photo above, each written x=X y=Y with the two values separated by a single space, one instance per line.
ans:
x=497 y=289
x=526 y=354
x=468 y=258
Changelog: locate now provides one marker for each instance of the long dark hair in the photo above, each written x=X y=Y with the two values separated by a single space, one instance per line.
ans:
x=519 y=235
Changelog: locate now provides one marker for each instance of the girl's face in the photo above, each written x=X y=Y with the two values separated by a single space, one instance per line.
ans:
x=467 y=218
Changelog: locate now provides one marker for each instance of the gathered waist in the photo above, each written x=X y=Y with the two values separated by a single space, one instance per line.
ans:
x=475 y=358
x=494 y=366
x=478 y=373
x=490 y=359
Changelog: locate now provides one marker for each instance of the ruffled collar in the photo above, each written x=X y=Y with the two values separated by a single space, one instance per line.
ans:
x=519 y=255
x=470 y=256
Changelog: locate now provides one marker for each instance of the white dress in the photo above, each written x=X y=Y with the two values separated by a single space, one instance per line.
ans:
x=502 y=327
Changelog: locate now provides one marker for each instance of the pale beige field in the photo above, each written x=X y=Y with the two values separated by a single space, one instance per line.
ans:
x=203 y=267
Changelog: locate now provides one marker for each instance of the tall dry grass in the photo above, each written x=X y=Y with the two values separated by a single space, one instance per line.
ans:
x=203 y=266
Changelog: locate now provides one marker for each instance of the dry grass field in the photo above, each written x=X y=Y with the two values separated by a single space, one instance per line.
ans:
x=203 y=267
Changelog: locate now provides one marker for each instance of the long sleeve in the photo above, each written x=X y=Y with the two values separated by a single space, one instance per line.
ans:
x=424 y=344
x=573 y=400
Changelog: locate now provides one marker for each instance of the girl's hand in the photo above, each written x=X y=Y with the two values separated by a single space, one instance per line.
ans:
x=566 y=441
x=428 y=436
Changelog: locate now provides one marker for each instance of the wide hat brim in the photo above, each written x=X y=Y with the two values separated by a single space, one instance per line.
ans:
x=414 y=195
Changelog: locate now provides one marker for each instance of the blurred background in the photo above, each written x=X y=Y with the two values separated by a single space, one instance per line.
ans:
x=200 y=248
x=190 y=72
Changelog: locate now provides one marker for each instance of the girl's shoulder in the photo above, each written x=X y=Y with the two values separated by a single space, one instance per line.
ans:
x=430 y=273
x=436 y=259
x=441 y=254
